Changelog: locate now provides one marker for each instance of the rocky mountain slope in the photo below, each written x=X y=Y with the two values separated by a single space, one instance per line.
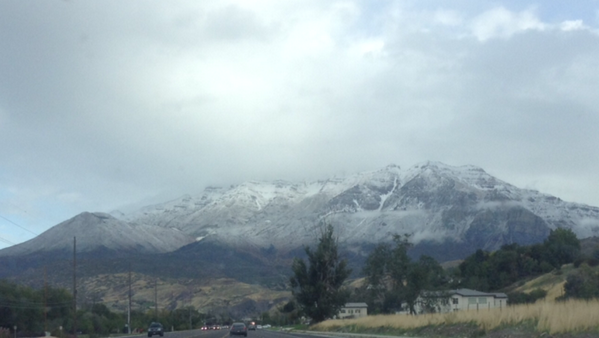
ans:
x=449 y=211
x=100 y=231
x=436 y=203
x=250 y=232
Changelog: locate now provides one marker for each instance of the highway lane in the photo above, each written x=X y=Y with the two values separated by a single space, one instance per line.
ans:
x=224 y=333
x=267 y=334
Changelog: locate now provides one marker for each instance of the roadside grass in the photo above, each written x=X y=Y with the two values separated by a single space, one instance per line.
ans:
x=302 y=327
x=543 y=316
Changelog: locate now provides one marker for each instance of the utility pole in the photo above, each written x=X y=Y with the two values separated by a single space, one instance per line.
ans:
x=129 y=307
x=45 y=302
x=75 y=287
x=156 y=298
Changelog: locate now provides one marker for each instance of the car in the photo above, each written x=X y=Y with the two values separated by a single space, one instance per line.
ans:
x=155 y=329
x=204 y=328
x=238 y=329
x=252 y=326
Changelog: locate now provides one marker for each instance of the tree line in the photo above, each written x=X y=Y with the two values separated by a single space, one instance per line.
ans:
x=393 y=280
x=24 y=307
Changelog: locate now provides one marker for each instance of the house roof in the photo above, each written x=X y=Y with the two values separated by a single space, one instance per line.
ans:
x=474 y=293
x=463 y=293
x=355 y=305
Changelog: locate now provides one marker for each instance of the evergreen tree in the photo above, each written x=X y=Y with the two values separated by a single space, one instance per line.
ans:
x=317 y=287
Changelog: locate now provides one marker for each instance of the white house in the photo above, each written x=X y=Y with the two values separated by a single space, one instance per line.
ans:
x=458 y=300
x=353 y=310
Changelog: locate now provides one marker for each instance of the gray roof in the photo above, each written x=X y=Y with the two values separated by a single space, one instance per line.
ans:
x=354 y=305
x=474 y=293
x=463 y=293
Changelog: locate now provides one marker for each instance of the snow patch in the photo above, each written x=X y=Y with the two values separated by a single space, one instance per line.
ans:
x=385 y=196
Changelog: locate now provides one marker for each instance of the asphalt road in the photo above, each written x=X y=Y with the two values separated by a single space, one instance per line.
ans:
x=225 y=334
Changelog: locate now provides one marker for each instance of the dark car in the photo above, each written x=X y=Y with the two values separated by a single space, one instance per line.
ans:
x=155 y=328
x=252 y=326
x=238 y=329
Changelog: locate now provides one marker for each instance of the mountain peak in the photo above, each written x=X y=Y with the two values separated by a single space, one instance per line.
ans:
x=98 y=230
x=431 y=200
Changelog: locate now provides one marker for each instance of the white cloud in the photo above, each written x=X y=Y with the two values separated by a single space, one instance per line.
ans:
x=502 y=23
x=572 y=25
x=111 y=105
x=448 y=17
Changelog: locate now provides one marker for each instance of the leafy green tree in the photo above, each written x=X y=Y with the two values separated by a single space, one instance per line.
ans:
x=377 y=277
x=562 y=247
x=584 y=284
x=387 y=269
x=317 y=287
x=486 y=271
x=526 y=298
x=392 y=278
x=435 y=275
x=399 y=262
x=425 y=274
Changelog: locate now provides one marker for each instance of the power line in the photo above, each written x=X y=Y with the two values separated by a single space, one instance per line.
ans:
x=22 y=227
x=35 y=305
x=6 y=241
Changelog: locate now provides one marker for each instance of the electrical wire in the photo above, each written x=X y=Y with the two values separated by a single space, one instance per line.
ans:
x=12 y=306
x=2 y=239
x=31 y=305
x=22 y=227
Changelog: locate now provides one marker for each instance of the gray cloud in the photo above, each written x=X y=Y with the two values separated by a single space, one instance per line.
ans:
x=123 y=104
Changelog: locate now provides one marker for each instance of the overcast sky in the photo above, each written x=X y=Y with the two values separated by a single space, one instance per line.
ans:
x=106 y=105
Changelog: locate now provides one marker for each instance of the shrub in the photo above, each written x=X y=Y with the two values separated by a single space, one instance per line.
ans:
x=526 y=298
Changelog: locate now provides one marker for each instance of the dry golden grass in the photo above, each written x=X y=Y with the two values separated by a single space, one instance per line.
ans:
x=552 y=282
x=547 y=316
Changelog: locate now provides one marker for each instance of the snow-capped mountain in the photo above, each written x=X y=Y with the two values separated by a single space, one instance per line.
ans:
x=251 y=231
x=102 y=231
x=461 y=208
x=431 y=201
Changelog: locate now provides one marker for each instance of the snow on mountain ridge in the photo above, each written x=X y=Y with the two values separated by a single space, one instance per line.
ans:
x=102 y=231
x=431 y=200
x=367 y=206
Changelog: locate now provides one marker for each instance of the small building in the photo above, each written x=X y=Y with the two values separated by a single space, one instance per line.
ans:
x=458 y=300
x=353 y=310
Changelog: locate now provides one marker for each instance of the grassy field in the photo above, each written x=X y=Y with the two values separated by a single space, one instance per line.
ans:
x=544 y=316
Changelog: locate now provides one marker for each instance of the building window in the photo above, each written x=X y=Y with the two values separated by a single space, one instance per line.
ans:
x=455 y=300
x=482 y=300
x=471 y=300
x=343 y=311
